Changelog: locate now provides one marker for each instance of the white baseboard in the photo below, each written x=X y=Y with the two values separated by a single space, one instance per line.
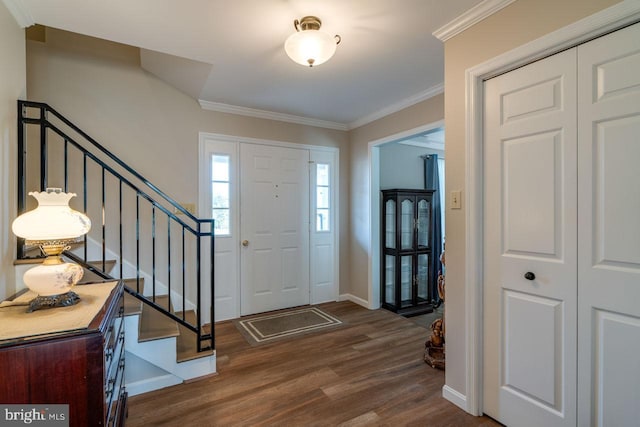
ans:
x=354 y=299
x=152 y=384
x=455 y=397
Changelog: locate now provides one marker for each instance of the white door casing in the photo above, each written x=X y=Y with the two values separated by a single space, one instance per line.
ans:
x=274 y=257
x=530 y=227
x=609 y=230
x=227 y=248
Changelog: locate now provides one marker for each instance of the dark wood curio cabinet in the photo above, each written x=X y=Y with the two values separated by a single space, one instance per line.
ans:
x=406 y=242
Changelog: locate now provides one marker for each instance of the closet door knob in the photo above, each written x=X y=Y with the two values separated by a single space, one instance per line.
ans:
x=245 y=243
x=529 y=275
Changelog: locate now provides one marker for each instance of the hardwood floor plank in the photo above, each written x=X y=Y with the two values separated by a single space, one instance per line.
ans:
x=368 y=372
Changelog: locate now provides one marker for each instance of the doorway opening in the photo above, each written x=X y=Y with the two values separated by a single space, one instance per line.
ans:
x=385 y=156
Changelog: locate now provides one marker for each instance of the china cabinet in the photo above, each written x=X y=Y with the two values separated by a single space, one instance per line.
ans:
x=406 y=221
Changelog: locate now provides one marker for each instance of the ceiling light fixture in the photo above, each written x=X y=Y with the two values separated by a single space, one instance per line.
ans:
x=308 y=45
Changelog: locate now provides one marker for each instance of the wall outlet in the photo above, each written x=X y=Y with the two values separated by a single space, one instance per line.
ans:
x=456 y=199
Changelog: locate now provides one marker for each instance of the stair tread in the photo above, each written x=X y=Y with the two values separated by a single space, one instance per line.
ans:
x=154 y=325
x=132 y=305
x=187 y=344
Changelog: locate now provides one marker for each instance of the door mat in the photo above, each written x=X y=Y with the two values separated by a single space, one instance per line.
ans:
x=286 y=324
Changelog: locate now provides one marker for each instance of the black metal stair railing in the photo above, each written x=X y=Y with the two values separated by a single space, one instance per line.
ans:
x=151 y=237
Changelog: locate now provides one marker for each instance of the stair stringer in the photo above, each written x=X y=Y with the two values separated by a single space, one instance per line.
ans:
x=163 y=354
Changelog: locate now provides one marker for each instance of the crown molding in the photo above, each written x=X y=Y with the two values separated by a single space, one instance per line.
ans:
x=269 y=115
x=290 y=118
x=20 y=13
x=469 y=18
x=393 y=108
x=432 y=145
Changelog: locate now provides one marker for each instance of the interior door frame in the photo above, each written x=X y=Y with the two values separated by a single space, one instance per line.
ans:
x=607 y=20
x=203 y=185
x=373 y=280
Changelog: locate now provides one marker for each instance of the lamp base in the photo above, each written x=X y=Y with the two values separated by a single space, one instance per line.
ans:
x=51 y=301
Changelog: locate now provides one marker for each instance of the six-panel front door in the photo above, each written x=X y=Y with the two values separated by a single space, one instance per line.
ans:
x=274 y=210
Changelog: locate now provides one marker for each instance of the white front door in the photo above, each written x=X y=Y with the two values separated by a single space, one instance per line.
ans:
x=530 y=277
x=274 y=222
x=609 y=230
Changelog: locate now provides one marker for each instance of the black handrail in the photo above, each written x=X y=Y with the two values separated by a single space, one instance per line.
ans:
x=160 y=204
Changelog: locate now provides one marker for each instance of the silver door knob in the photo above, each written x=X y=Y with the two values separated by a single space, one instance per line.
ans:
x=245 y=243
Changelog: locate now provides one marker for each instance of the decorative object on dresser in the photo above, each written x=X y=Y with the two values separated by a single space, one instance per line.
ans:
x=53 y=225
x=73 y=356
x=434 y=352
x=407 y=242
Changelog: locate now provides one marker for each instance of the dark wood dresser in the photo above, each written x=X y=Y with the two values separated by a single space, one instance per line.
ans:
x=82 y=367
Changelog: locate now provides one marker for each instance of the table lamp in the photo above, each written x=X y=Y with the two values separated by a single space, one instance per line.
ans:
x=53 y=225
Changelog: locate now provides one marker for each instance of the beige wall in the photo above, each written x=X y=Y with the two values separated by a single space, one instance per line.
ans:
x=515 y=25
x=418 y=115
x=12 y=87
x=100 y=86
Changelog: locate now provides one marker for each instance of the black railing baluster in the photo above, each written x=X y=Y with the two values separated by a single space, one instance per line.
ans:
x=84 y=201
x=169 y=259
x=212 y=280
x=120 y=228
x=104 y=226
x=43 y=151
x=137 y=242
x=198 y=287
x=183 y=268
x=22 y=174
x=66 y=166
x=153 y=249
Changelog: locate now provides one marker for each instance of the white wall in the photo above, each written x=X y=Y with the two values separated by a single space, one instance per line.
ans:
x=12 y=87
x=402 y=167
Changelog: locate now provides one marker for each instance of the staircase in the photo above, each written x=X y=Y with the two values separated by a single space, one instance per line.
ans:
x=161 y=251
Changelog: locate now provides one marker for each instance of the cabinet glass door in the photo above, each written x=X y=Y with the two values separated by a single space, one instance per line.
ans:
x=423 y=278
x=406 y=224
x=406 y=280
x=390 y=224
x=424 y=221
x=390 y=279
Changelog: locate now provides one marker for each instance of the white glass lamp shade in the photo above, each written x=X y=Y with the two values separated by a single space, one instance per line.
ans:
x=53 y=219
x=310 y=47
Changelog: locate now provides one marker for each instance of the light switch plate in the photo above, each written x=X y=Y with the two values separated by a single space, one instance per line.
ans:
x=456 y=199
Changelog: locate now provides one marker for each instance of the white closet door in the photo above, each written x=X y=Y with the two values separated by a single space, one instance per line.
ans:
x=530 y=229
x=609 y=224
x=274 y=222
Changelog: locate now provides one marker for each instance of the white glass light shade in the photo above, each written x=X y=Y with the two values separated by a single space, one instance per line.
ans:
x=53 y=219
x=310 y=47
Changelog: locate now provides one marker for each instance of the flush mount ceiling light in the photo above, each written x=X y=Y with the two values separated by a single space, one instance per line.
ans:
x=309 y=46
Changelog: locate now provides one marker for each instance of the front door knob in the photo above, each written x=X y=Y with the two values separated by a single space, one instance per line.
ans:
x=529 y=275
x=245 y=243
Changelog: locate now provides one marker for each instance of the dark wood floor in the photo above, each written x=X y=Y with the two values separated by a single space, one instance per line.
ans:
x=368 y=372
